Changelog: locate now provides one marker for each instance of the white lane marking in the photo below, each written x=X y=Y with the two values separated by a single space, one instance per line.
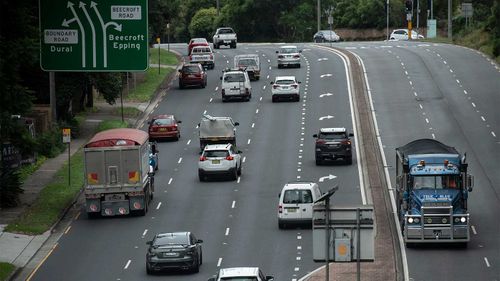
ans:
x=451 y=70
x=227 y=62
x=465 y=92
x=487 y=262
x=205 y=112
x=180 y=160
x=421 y=107
x=170 y=180
x=299 y=247
x=249 y=140
x=299 y=170
x=323 y=117
x=482 y=118
x=325 y=95
x=227 y=231
x=210 y=100
x=128 y=263
x=260 y=99
x=267 y=77
x=253 y=125
x=415 y=94
x=445 y=62
x=325 y=75
x=322 y=59
x=268 y=60
x=219 y=262
x=298 y=258
x=473 y=230
x=411 y=83
x=402 y=64
x=427 y=120
x=264 y=87
x=269 y=68
x=216 y=88
x=493 y=134
x=298 y=177
x=159 y=205
x=239 y=179
x=299 y=237
x=197 y=126
x=296 y=269
x=233 y=205
x=144 y=233
x=188 y=142
x=458 y=81
x=256 y=111
x=406 y=72
x=244 y=159
x=433 y=136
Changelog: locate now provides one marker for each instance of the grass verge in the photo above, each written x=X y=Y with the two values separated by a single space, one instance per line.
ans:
x=145 y=90
x=26 y=170
x=127 y=112
x=111 y=124
x=5 y=270
x=56 y=196
x=166 y=57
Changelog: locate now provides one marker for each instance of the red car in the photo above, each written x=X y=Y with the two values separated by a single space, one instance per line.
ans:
x=192 y=74
x=196 y=42
x=164 y=127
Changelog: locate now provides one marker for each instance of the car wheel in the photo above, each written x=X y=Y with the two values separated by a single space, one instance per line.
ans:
x=279 y=66
x=349 y=161
x=144 y=211
x=239 y=170
x=93 y=215
x=176 y=138
x=234 y=174
x=181 y=86
x=149 y=271
x=298 y=65
x=201 y=258
x=224 y=100
x=201 y=176
x=196 y=266
x=297 y=98
x=281 y=225
x=318 y=162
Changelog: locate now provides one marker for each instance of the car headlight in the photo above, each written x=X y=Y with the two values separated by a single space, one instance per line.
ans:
x=444 y=220
x=463 y=219
x=410 y=220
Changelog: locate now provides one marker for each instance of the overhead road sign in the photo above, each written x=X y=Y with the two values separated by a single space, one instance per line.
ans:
x=100 y=35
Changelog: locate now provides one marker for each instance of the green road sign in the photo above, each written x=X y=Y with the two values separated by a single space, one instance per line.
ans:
x=100 y=35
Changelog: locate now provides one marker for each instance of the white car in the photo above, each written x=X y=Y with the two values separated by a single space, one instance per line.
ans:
x=285 y=87
x=219 y=159
x=402 y=34
x=241 y=274
x=288 y=56
x=202 y=55
x=236 y=84
x=295 y=205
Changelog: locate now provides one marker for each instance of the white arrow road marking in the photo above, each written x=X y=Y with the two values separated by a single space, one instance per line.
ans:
x=92 y=28
x=66 y=23
x=325 y=95
x=325 y=75
x=322 y=59
x=325 y=117
x=329 y=177
x=82 y=30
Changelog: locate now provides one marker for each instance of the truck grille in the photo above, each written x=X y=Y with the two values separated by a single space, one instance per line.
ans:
x=437 y=215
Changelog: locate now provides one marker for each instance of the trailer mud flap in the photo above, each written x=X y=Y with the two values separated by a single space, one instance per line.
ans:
x=93 y=205
x=136 y=203
x=115 y=208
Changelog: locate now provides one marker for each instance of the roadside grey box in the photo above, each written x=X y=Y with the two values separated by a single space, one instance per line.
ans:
x=343 y=231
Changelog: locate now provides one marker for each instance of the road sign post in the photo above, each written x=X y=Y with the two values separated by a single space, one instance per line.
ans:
x=66 y=134
x=97 y=35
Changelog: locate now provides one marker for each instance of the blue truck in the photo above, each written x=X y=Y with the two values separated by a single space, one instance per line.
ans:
x=432 y=188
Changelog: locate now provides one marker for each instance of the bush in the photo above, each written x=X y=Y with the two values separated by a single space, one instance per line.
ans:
x=49 y=144
x=10 y=188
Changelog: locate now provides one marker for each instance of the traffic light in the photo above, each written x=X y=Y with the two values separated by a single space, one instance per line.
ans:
x=408 y=5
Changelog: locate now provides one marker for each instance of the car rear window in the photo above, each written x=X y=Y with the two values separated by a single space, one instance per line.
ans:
x=163 y=122
x=201 y=50
x=216 y=153
x=234 y=77
x=285 y=82
x=297 y=196
x=191 y=69
x=246 y=62
x=240 y=278
x=288 y=50
x=332 y=136
x=171 y=239
x=226 y=31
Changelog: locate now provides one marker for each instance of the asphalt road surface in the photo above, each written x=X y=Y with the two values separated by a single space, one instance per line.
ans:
x=236 y=219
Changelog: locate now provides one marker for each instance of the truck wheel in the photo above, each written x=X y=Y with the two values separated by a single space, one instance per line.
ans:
x=196 y=266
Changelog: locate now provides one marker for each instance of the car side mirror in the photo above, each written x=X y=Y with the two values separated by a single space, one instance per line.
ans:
x=239 y=151
x=211 y=279
x=179 y=121
x=272 y=82
x=269 y=278
x=149 y=243
x=236 y=123
x=277 y=52
x=351 y=134
x=199 y=241
x=315 y=135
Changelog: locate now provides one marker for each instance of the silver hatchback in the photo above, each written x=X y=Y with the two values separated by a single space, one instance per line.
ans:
x=288 y=56
x=219 y=159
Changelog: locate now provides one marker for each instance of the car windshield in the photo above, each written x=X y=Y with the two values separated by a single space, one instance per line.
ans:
x=216 y=153
x=234 y=77
x=288 y=50
x=297 y=196
x=163 y=121
x=332 y=136
x=199 y=41
x=247 y=62
x=285 y=82
x=240 y=278
x=171 y=239
x=191 y=69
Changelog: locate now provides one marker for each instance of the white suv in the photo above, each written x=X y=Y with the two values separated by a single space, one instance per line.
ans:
x=219 y=159
x=296 y=201
x=236 y=84
x=285 y=87
x=288 y=56
x=240 y=274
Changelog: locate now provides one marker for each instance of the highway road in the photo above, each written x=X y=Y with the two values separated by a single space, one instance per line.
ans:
x=450 y=93
x=236 y=219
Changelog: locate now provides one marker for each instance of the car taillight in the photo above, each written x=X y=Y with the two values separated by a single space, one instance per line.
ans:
x=203 y=158
x=197 y=74
x=280 y=56
x=280 y=209
x=320 y=141
x=275 y=86
x=296 y=56
x=229 y=158
x=247 y=91
x=211 y=57
x=346 y=142
x=173 y=128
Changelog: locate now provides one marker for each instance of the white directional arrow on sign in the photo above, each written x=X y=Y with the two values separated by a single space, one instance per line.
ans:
x=325 y=95
x=104 y=26
x=66 y=22
x=92 y=29
x=325 y=117
x=329 y=177
x=326 y=75
x=82 y=30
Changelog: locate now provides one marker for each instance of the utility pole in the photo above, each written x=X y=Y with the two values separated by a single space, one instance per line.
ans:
x=319 y=15
x=387 y=28
x=418 y=13
x=218 y=7
x=52 y=93
x=409 y=13
x=449 y=20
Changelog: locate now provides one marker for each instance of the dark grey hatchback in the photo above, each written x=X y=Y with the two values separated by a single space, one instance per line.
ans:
x=174 y=250
x=333 y=144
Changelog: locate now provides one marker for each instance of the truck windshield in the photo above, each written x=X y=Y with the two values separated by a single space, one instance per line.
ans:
x=436 y=182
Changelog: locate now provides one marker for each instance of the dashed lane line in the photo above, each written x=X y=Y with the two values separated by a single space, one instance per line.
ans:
x=159 y=205
x=144 y=233
x=219 y=262
x=233 y=205
x=170 y=181
x=127 y=265
x=180 y=160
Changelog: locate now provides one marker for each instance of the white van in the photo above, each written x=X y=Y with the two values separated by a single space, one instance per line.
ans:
x=236 y=84
x=296 y=201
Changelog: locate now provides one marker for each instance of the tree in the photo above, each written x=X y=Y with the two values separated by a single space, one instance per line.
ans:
x=202 y=23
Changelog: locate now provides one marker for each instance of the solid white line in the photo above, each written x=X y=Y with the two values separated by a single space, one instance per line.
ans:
x=244 y=159
x=170 y=180
x=473 y=230
x=487 y=262
x=253 y=125
x=189 y=141
x=180 y=160
x=128 y=263
x=233 y=205
x=219 y=262
x=227 y=231
x=249 y=140
x=144 y=233
x=159 y=205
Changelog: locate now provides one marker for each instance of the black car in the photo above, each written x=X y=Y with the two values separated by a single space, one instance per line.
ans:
x=333 y=144
x=175 y=250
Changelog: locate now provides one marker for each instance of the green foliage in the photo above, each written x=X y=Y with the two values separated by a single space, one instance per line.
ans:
x=108 y=84
x=5 y=270
x=166 y=57
x=26 y=170
x=127 y=111
x=49 y=144
x=202 y=23
x=10 y=187
x=152 y=81
x=111 y=124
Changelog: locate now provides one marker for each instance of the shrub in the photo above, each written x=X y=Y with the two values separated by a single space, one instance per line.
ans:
x=10 y=188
